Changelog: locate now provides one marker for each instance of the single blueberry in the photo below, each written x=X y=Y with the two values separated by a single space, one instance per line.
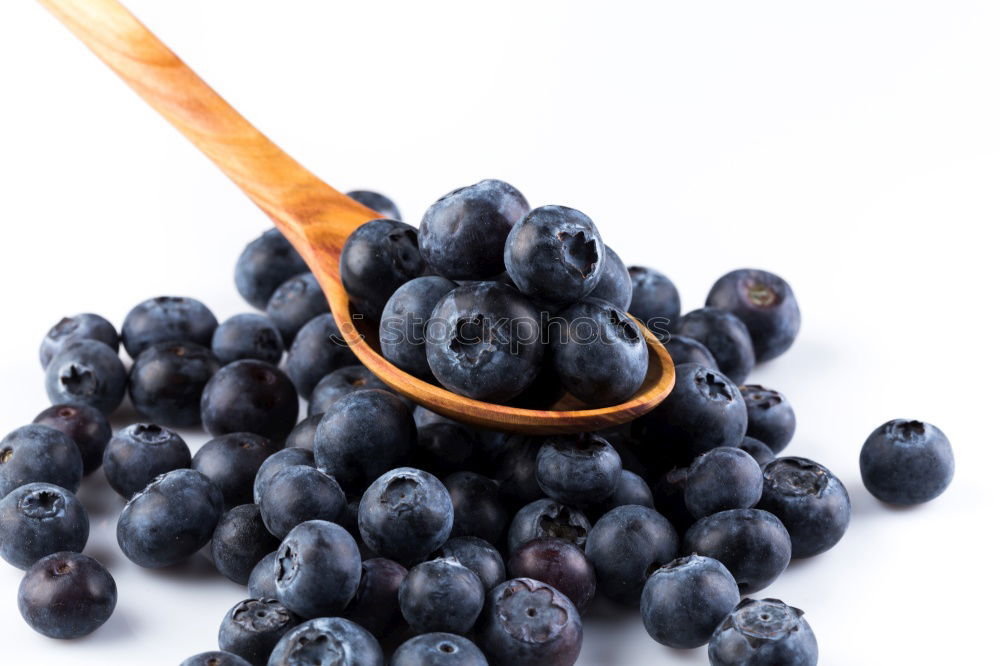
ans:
x=85 y=326
x=297 y=494
x=447 y=447
x=253 y=627
x=630 y=489
x=250 y=396
x=438 y=649
x=231 y=462
x=615 y=285
x=479 y=510
x=378 y=258
x=39 y=519
x=216 y=658
x=547 y=518
x=317 y=569
x=239 y=542
x=668 y=498
x=277 y=462
x=405 y=319
x=66 y=595
x=377 y=201
x=689 y=350
x=317 y=350
x=86 y=426
x=247 y=336
x=37 y=453
x=86 y=372
x=167 y=319
x=375 y=605
x=765 y=303
x=906 y=462
x=655 y=300
x=723 y=478
x=327 y=640
x=166 y=382
x=769 y=416
x=725 y=336
x=303 y=435
x=261 y=583
x=264 y=264
x=295 y=303
x=763 y=633
x=479 y=556
x=578 y=469
x=441 y=595
x=515 y=471
x=339 y=383
x=139 y=453
x=558 y=563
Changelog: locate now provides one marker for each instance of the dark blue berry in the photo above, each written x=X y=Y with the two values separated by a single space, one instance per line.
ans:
x=261 y=584
x=36 y=453
x=763 y=633
x=615 y=285
x=516 y=469
x=441 y=595
x=39 y=519
x=655 y=300
x=375 y=605
x=478 y=556
x=558 y=563
x=85 y=326
x=317 y=569
x=303 y=435
x=253 y=627
x=299 y=493
x=265 y=263
x=724 y=478
x=277 y=462
x=247 y=336
x=339 y=383
x=250 y=396
x=215 y=658
x=378 y=258
x=769 y=416
x=907 y=462
x=240 y=541
x=668 y=498
x=547 y=518
x=438 y=649
x=66 y=595
x=688 y=350
x=167 y=319
x=630 y=489
x=166 y=382
x=139 y=453
x=86 y=372
x=86 y=426
x=479 y=510
x=760 y=451
x=377 y=201
x=327 y=640
x=295 y=303
x=765 y=303
x=405 y=319
x=725 y=336
x=231 y=462
x=447 y=447
x=752 y=544
x=578 y=469
x=317 y=351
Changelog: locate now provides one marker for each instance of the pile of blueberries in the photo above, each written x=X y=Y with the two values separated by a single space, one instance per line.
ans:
x=374 y=527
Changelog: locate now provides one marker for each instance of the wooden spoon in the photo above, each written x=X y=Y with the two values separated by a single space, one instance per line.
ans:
x=316 y=218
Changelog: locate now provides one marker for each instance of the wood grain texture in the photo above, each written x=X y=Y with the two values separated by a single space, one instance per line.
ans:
x=315 y=217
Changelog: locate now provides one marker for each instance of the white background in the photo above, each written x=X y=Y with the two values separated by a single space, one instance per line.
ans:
x=852 y=147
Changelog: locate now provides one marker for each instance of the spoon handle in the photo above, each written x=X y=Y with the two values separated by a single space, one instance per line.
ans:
x=316 y=218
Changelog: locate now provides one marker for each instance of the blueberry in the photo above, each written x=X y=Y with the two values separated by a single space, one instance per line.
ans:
x=479 y=511
x=231 y=462
x=297 y=494
x=85 y=326
x=378 y=258
x=724 y=478
x=578 y=469
x=438 y=649
x=261 y=583
x=485 y=342
x=277 y=462
x=141 y=452
x=86 y=426
x=66 y=595
x=462 y=234
x=598 y=353
x=265 y=263
x=317 y=569
x=704 y=410
x=363 y=435
x=378 y=202
x=339 y=383
x=655 y=300
x=555 y=254
x=752 y=544
x=630 y=489
x=478 y=556
x=170 y=520
x=725 y=336
x=441 y=595
x=668 y=498
x=239 y=542
x=447 y=447
x=327 y=640
x=36 y=453
x=250 y=396
x=689 y=350
x=166 y=382
x=317 y=351
x=760 y=451
x=558 y=563
x=546 y=517
x=215 y=658
x=683 y=602
x=375 y=606
x=763 y=633
x=516 y=470
x=529 y=623
x=765 y=303
x=253 y=627
x=769 y=416
x=404 y=320
x=615 y=285
x=247 y=336
x=295 y=303
x=39 y=519
x=810 y=502
x=303 y=435
x=167 y=319
x=86 y=372
x=906 y=462
x=405 y=515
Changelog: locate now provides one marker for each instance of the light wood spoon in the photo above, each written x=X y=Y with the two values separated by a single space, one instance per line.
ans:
x=316 y=218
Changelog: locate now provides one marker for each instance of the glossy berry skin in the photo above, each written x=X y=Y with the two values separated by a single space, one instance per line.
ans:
x=404 y=320
x=479 y=556
x=405 y=515
x=84 y=326
x=363 y=435
x=86 y=372
x=578 y=469
x=66 y=595
x=303 y=435
x=810 y=502
x=86 y=426
x=240 y=541
x=170 y=520
x=760 y=451
x=166 y=381
x=231 y=462
x=684 y=601
x=462 y=234
x=528 y=623
x=763 y=633
x=375 y=605
x=39 y=519
x=447 y=447
x=558 y=563
x=167 y=319
x=296 y=302
x=339 y=383
x=317 y=569
x=479 y=510
x=327 y=640
x=615 y=285
x=688 y=350
x=36 y=453
x=752 y=544
x=275 y=463
x=441 y=595
x=630 y=489
x=299 y=493
x=725 y=336
x=907 y=462
x=438 y=649
x=247 y=336
x=485 y=342
x=139 y=453
x=250 y=396
x=264 y=264
x=655 y=300
x=317 y=350
x=547 y=518
x=378 y=258
x=625 y=545
x=770 y=417
x=377 y=201
x=253 y=627
x=216 y=657
x=724 y=478
x=261 y=584
x=555 y=254
x=765 y=303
